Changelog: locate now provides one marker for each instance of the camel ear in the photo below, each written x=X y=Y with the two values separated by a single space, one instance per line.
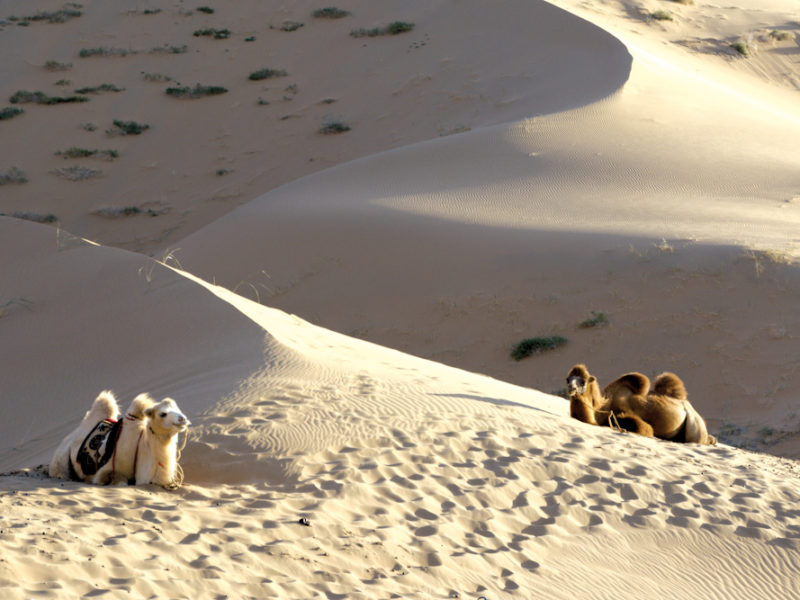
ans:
x=592 y=379
x=148 y=412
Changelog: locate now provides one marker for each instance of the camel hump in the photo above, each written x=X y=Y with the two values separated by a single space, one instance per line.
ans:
x=630 y=384
x=669 y=384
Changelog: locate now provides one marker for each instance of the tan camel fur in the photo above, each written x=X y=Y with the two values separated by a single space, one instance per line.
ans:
x=665 y=412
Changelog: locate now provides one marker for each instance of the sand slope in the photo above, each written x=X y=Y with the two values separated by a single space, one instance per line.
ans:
x=418 y=480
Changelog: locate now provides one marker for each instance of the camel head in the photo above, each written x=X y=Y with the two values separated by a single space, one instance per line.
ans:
x=579 y=380
x=166 y=418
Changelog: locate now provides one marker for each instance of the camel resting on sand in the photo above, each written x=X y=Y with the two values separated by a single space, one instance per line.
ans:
x=627 y=402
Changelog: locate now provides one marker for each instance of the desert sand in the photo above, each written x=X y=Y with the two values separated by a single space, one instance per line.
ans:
x=335 y=313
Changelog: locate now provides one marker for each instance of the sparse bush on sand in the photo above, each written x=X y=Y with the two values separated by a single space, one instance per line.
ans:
x=103 y=87
x=536 y=345
x=26 y=97
x=35 y=217
x=116 y=212
x=333 y=126
x=216 y=34
x=742 y=48
x=10 y=113
x=167 y=49
x=266 y=74
x=780 y=36
x=75 y=152
x=290 y=26
x=205 y=9
x=157 y=77
x=660 y=15
x=394 y=28
x=13 y=175
x=70 y=11
x=76 y=173
x=54 y=65
x=597 y=319
x=331 y=12
x=198 y=91
x=102 y=51
x=128 y=127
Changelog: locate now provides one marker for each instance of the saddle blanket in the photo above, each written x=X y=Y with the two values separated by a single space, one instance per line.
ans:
x=98 y=447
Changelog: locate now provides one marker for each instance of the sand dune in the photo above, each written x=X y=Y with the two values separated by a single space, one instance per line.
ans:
x=417 y=479
x=607 y=162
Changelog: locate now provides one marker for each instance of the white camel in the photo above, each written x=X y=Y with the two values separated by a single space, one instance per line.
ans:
x=140 y=448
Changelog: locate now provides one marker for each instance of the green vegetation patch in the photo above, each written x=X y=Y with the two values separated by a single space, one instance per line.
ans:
x=536 y=345
x=330 y=12
x=13 y=175
x=661 y=15
x=103 y=87
x=70 y=11
x=198 y=91
x=205 y=9
x=26 y=97
x=75 y=152
x=76 y=173
x=334 y=127
x=597 y=319
x=167 y=49
x=394 y=28
x=130 y=127
x=157 y=77
x=290 y=26
x=35 y=217
x=266 y=74
x=103 y=51
x=54 y=65
x=217 y=34
x=10 y=113
x=742 y=48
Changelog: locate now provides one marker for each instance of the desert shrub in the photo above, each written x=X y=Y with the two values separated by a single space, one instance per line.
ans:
x=330 y=12
x=70 y=11
x=12 y=175
x=742 y=48
x=167 y=49
x=114 y=212
x=76 y=173
x=157 y=77
x=102 y=51
x=10 y=113
x=536 y=345
x=331 y=127
x=780 y=36
x=661 y=15
x=54 y=65
x=399 y=27
x=130 y=127
x=103 y=87
x=290 y=26
x=597 y=319
x=267 y=74
x=35 y=217
x=198 y=91
x=217 y=34
x=394 y=28
x=75 y=152
x=205 y=9
x=25 y=97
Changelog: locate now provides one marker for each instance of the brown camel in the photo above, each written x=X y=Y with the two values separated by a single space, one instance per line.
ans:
x=628 y=403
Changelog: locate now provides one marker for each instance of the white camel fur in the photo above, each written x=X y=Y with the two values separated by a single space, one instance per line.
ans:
x=146 y=449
